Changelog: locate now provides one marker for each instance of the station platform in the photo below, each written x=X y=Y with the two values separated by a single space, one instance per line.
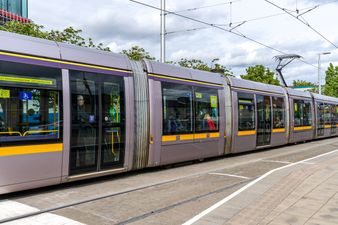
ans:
x=305 y=192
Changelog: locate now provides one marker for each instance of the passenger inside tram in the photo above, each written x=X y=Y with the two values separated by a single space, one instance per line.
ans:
x=85 y=132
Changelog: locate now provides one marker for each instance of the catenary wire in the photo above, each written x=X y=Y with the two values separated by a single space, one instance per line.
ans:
x=308 y=9
x=305 y=23
x=220 y=28
x=207 y=6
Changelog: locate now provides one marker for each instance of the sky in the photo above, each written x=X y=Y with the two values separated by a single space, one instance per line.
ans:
x=121 y=24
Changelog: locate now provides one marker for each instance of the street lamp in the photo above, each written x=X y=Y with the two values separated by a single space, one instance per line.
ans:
x=319 y=69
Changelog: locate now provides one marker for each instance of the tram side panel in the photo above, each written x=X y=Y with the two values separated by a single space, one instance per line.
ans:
x=244 y=122
x=185 y=132
x=260 y=115
x=325 y=110
x=302 y=119
x=185 y=115
x=30 y=125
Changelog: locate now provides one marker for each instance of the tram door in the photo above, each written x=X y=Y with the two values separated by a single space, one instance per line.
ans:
x=97 y=138
x=321 y=119
x=333 y=119
x=263 y=120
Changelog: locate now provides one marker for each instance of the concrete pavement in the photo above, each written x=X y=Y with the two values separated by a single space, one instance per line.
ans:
x=300 y=193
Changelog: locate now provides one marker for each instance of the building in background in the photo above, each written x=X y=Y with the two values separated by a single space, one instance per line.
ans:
x=14 y=10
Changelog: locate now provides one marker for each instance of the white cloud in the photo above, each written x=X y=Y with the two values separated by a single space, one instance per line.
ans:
x=121 y=24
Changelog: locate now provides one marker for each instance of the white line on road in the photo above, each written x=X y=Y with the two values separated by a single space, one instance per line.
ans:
x=229 y=175
x=226 y=199
x=309 y=163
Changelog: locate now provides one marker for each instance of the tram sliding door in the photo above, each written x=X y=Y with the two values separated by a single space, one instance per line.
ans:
x=263 y=120
x=97 y=141
x=320 y=119
x=333 y=120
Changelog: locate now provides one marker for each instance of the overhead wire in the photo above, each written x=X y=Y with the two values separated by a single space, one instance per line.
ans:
x=304 y=22
x=220 y=28
x=253 y=19
x=207 y=6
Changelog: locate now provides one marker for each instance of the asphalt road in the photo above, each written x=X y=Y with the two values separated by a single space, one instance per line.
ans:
x=164 y=195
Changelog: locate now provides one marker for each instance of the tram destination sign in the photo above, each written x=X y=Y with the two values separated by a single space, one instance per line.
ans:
x=27 y=80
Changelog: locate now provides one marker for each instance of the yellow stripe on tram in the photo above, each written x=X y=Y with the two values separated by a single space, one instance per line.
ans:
x=302 y=128
x=167 y=138
x=327 y=126
x=279 y=130
x=246 y=133
x=200 y=136
x=30 y=149
x=186 y=137
x=214 y=135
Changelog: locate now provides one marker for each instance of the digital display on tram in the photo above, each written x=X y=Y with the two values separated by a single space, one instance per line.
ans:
x=10 y=79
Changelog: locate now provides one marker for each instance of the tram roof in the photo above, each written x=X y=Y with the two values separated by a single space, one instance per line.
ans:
x=22 y=44
x=298 y=93
x=255 y=86
x=182 y=72
x=324 y=98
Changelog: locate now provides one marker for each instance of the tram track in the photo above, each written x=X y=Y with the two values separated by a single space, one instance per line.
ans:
x=158 y=184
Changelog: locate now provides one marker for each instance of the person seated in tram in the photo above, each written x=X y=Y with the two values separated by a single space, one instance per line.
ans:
x=210 y=123
x=279 y=123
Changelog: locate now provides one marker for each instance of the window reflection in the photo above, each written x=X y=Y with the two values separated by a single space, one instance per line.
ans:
x=28 y=114
x=246 y=111
x=278 y=112
x=206 y=108
x=177 y=108
x=302 y=113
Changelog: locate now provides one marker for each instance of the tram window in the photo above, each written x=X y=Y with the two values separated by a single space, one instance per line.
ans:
x=327 y=114
x=321 y=109
x=278 y=112
x=246 y=111
x=333 y=114
x=302 y=113
x=28 y=114
x=177 y=108
x=336 y=113
x=206 y=109
x=29 y=103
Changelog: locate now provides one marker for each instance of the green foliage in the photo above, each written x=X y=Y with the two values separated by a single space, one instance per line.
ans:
x=68 y=35
x=30 y=29
x=260 y=74
x=331 y=86
x=303 y=83
x=200 y=65
x=137 y=53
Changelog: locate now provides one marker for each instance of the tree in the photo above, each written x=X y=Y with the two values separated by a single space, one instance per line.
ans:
x=303 y=83
x=331 y=86
x=137 y=53
x=261 y=74
x=68 y=35
x=200 y=65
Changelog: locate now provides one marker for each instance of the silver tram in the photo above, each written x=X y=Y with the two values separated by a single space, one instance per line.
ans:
x=69 y=113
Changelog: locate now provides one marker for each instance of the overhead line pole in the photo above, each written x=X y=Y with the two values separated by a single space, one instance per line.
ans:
x=163 y=32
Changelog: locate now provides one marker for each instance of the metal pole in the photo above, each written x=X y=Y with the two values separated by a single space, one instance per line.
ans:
x=163 y=14
x=319 y=86
x=319 y=71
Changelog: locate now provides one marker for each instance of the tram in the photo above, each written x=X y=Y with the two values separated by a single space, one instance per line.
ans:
x=69 y=113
